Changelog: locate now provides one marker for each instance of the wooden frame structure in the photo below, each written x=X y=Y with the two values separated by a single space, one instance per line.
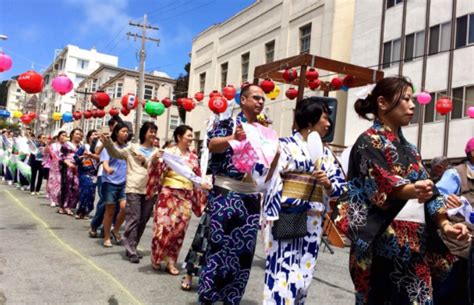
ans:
x=362 y=76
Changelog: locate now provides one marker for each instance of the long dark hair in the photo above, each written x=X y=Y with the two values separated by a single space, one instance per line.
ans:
x=117 y=129
x=89 y=135
x=390 y=88
x=309 y=111
x=180 y=131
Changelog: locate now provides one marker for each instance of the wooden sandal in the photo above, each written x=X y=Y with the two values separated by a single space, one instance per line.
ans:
x=186 y=284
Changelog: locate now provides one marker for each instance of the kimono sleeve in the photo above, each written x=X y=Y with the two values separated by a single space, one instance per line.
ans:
x=222 y=128
x=334 y=174
x=370 y=163
x=155 y=175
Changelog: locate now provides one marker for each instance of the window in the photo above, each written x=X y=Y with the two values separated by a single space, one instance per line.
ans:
x=245 y=67
x=146 y=117
x=457 y=99
x=434 y=40
x=471 y=29
x=391 y=3
x=110 y=92
x=202 y=81
x=18 y=90
x=387 y=54
x=224 y=68
x=174 y=122
x=94 y=85
x=82 y=64
x=445 y=37
x=269 y=51
x=305 y=38
x=148 y=94
x=461 y=31
x=396 y=51
x=469 y=99
x=414 y=119
x=78 y=80
x=419 y=43
x=409 y=47
x=118 y=90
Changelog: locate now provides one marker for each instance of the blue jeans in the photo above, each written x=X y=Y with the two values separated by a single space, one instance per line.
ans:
x=100 y=208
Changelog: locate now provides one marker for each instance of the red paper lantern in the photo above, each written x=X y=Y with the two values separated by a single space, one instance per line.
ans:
x=62 y=84
x=31 y=82
x=32 y=115
x=348 y=81
x=5 y=62
x=180 y=101
x=290 y=75
x=291 y=93
x=26 y=119
x=77 y=115
x=188 y=104
x=167 y=102
x=100 y=113
x=312 y=74
x=199 y=96
x=218 y=104
x=336 y=82
x=444 y=105
x=214 y=93
x=229 y=92
x=129 y=101
x=87 y=114
x=114 y=112
x=267 y=85
x=94 y=113
x=314 y=84
x=100 y=99
x=125 y=111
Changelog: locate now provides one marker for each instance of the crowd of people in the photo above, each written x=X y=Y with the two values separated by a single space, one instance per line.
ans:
x=410 y=238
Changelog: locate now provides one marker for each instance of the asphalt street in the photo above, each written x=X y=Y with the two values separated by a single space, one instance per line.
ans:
x=47 y=258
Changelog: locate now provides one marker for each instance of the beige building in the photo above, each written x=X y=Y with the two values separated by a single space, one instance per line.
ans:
x=117 y=82
x=265 y=31
x=15 y=96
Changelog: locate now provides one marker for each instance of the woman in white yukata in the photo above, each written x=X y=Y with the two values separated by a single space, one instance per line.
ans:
x=290 y=263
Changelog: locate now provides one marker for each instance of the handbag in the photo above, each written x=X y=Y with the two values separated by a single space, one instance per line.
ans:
x=292 y=221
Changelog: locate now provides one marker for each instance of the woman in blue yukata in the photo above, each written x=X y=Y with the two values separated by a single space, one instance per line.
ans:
x=298 y=182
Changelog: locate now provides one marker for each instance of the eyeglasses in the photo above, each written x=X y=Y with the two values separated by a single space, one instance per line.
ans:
x=258 y=97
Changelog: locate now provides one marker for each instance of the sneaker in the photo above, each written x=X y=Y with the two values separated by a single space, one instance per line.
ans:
x=53 y=204
x=33 y=193
x=134 y=259
x=10 y=182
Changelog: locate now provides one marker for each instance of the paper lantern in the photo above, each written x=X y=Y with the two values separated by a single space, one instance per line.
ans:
x=17 y=114
x=26 y=119
x=77 y=115
x=5 y=62
x=4 y=114
x=218 y=104
x=114 y=112
x=199 y=96
x=100 y=113
x=348 y=81
x=67 y=117
x=31 y=82
x=57 y=116
x=214 y=93
x=154 y=109
x=290 y=75
x=291 y=93
x=94 y=113
x=167 y=102
x=314 y=84
x=125 y=111
x=179 y=101
x=336 y=83
x=470 y=112
x=267 y=85
x=100 y=99
x=229 y=92
x=43 y=117
x=274 y=93
x=62 y=84
x=87 y=114
x=237 y=97
x=312 y=74
x=444 y=106
x=188 y=104
x=423 y=98
x=129 y=101
x=32 y=115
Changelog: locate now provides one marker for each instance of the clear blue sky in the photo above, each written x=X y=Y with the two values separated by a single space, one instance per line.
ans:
x=35 y=28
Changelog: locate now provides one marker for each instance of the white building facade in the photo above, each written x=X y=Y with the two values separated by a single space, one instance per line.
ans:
x=15 y=96
x=389 y=49
x=227 y=53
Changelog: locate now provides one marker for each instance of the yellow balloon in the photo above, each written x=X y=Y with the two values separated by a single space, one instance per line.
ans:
x=274 y=93
x=57 y=116
x=17 y=114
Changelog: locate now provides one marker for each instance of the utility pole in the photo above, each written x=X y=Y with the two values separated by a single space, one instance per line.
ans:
x=141 y=80
x=83 y=105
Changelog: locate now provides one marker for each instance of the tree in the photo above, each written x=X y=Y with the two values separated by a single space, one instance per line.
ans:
x=181 y=89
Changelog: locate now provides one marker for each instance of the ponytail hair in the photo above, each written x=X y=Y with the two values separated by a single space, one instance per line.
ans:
x=390 y=88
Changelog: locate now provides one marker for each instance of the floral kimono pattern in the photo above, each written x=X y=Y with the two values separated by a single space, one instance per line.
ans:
x=390 y=259
x=173 y=209
x=234 y=223
x=290 y=263
x=87 y=181
x=69 y=178
x=53 y=187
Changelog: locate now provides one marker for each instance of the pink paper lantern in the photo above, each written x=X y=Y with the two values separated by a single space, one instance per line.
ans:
x=423 y=98
x=470 y=112
x=5 y=62
x=62 y=84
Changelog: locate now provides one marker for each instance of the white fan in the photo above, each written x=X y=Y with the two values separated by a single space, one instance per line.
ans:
x=315 y=146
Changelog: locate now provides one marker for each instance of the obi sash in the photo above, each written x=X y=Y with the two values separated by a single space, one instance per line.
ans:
x=300 y=186
x=175 y=181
